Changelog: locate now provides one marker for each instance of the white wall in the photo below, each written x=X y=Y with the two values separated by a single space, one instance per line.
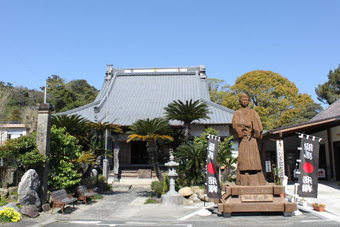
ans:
x=197 y=130
x=13 y=132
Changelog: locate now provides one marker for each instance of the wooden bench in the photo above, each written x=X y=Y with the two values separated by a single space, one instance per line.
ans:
x=84 y=193
x=61 y=198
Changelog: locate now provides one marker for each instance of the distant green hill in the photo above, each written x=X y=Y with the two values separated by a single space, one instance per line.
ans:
x=19 y=103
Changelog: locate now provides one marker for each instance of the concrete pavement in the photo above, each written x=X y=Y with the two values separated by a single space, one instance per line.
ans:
x=126 y=207
x=328 y=194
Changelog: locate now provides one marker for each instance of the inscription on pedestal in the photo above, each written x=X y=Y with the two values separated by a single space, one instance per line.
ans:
x=256 y=198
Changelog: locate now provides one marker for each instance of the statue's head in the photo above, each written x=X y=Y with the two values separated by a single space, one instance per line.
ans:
x=243 y=100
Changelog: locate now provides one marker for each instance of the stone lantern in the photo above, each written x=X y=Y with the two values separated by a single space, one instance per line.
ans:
x=172 y=197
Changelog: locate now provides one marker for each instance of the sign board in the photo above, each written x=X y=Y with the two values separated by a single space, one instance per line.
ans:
x=321 y=173
x=308 y=167
x=280 y=158
x=257 y=198
x=213 y=181
x=268 y=166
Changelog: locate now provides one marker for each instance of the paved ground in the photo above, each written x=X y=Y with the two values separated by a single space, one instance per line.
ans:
x=126 y=208
x=328 y=193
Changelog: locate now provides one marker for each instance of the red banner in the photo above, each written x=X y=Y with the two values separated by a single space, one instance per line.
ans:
x=212 y=177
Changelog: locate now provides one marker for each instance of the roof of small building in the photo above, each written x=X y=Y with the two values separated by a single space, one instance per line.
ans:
x=331 y=111
x=329 y=117
x=11 y=125
x=128 y=95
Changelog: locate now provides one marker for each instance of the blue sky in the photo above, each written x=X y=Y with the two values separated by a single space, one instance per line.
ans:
x=77 y=39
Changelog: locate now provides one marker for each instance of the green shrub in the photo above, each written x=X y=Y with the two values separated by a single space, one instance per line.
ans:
x=98 y=196
x=157 y=187
x=32 y=159
x=166 y=184
x=3 y=201
x=151 y=200
x=101 y=178
x=64 y=152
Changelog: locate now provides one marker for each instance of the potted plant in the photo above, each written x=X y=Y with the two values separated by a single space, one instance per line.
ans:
x=291 y=198
x=303 y=202
x=319 y=207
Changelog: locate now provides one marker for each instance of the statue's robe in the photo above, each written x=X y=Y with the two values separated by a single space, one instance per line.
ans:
x=248 y=128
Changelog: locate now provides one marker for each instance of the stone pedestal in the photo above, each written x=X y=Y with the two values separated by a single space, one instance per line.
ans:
x=265 y=198
x=172 y=198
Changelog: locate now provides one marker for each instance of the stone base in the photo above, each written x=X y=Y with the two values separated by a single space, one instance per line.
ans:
x=171 y=200
x=265 y=198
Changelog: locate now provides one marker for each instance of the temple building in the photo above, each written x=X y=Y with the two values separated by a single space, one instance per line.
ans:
x=130 y=94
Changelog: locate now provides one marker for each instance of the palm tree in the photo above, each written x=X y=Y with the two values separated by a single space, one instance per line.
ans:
x=75 y=125
x=151 y=131
x=99 y=129
x=192 y=159
x=187 y=112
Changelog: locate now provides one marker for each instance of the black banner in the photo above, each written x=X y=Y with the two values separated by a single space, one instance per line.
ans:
x=308 y=167
x=213 y=181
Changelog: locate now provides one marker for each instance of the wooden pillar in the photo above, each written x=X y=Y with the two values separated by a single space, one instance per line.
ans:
x=330 y=153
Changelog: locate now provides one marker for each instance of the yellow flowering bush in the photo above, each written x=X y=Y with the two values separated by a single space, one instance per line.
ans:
x=9 y=215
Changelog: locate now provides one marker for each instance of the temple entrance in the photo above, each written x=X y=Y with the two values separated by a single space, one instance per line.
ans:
x=139 y=155
x=336 y=147
x=322 y=159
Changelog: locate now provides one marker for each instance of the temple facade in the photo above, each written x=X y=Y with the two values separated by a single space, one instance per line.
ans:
x=130 y=94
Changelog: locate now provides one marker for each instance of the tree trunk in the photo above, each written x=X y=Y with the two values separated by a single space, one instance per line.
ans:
x=152 y=152
x=186 y=131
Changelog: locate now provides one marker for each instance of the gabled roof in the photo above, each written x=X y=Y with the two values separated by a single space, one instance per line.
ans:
x=128 y=95
x=329 y=117
x=331 y=111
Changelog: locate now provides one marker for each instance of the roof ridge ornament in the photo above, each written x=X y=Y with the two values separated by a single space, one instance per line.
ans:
x=109 y=72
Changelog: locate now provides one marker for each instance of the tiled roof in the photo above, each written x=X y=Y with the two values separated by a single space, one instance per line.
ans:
x=331 y=111
x=134 y=94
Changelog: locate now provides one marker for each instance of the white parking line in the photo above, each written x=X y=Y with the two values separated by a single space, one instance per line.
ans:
x=85 y=222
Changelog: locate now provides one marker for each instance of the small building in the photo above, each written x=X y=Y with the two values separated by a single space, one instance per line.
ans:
x=325 y=125
x=130 y=94
x=12 y=130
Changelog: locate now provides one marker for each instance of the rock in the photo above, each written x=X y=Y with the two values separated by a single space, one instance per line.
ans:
x=94 y=176
x=28 y=188
x=189 y=201
x=30 y=211
x=195 y=189
x=3 y=192
x=204 y=198
x=12 y=205
x=186 y=191
x=13 y=197
x=46 y=207
x=12 y=190
x=200 y=193
x=194 y=198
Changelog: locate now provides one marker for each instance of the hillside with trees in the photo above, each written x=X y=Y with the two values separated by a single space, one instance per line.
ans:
x=19 y=103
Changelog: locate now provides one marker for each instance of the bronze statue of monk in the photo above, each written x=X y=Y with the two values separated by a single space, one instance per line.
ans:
x=248 y=127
